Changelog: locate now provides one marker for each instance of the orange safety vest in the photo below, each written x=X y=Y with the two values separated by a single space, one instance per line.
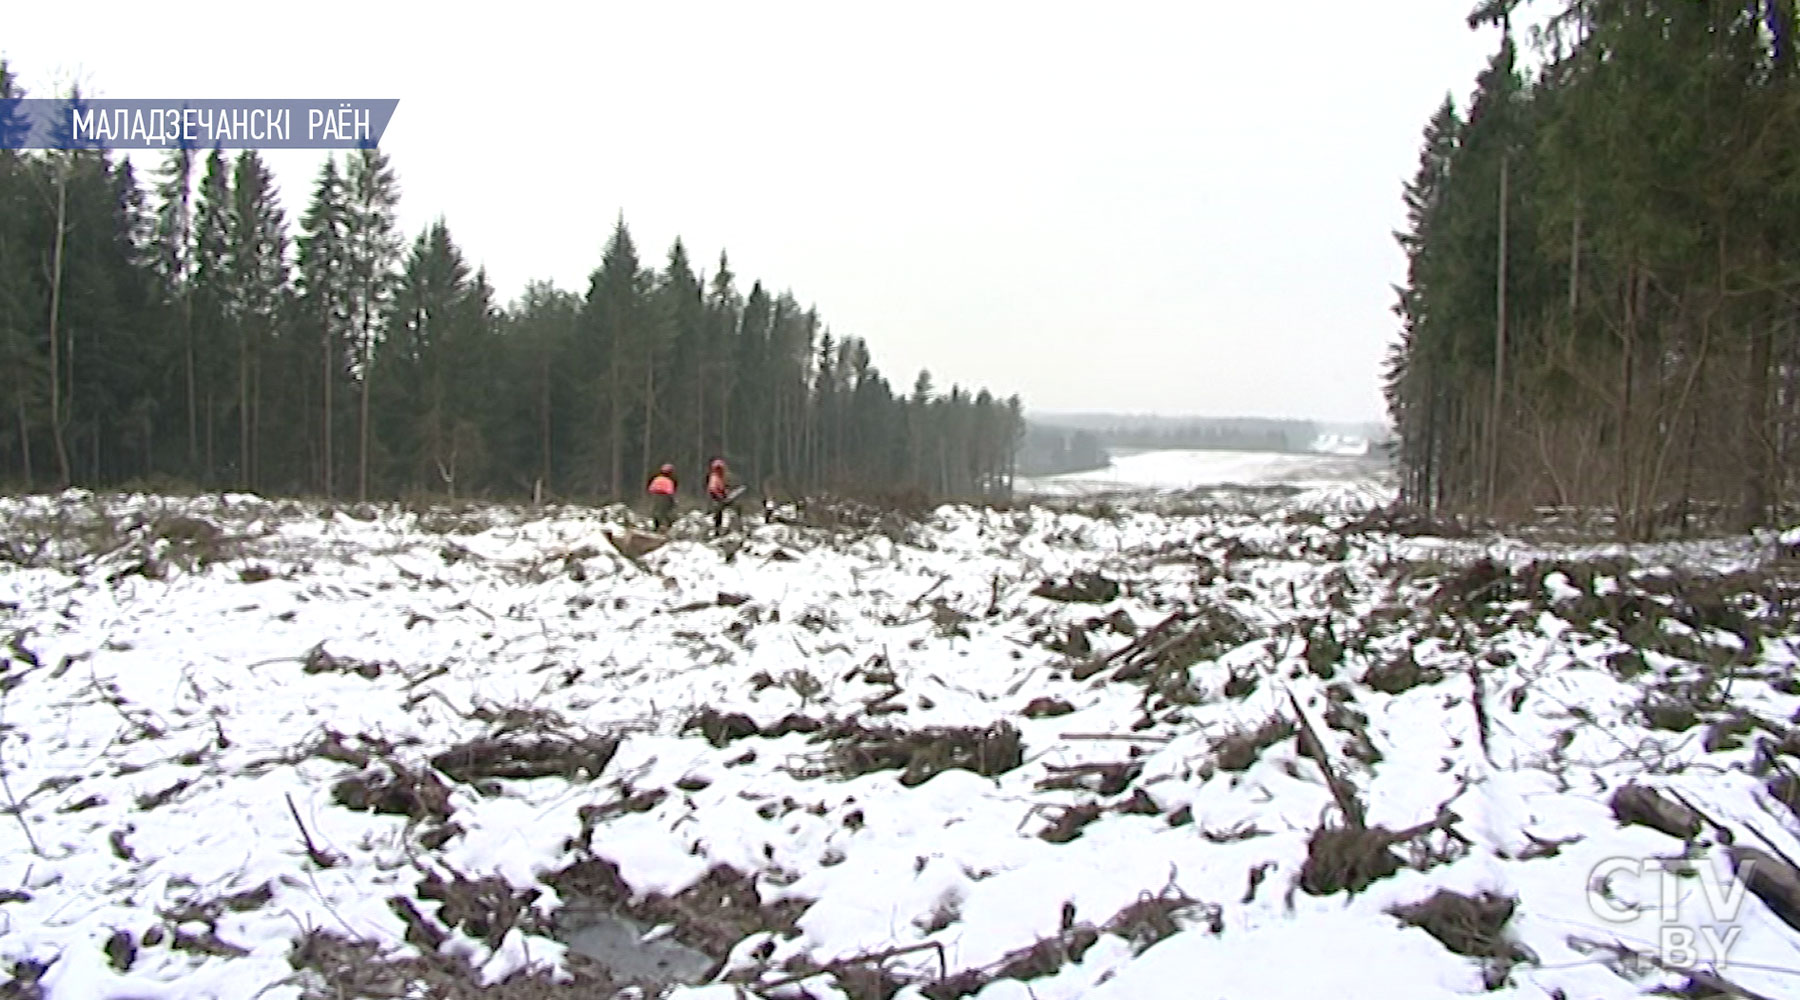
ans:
x=715 y=486
x=662 y=486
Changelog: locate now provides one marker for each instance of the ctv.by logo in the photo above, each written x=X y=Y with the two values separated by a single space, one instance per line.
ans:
x=1693 y=917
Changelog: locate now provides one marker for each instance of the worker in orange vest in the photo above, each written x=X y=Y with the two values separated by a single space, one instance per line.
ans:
x=662 y=497
x=718 y=492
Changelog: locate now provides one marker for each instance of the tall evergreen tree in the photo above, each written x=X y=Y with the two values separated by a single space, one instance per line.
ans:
x=324 y=308
x=257 y=287
x=372 y=248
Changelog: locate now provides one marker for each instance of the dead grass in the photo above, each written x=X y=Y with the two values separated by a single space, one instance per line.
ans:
x=395 y=790
x=334 y=966
x=1469 y=925
x=1240 y=748
x=1351 y=858
x=1079 y=588
x=318 y=661
x=711 y=916
x=720 y=728
x=919 y=754
x=1150 y=919
x=528 y=755
x=1400 y=674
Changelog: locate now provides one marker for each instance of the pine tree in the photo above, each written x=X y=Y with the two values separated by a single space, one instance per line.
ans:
x=257 y=286
x=214 y=309
x=175 y=265
x=611 y=335
x=425 y=362
x=324 y=305
x=372 y=248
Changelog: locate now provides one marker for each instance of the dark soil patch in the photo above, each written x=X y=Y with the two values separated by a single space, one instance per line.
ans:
x=1639 y=805
x=1400 y=674
x=720 y=728
x=630 y=800
x=792 y=724
x=318 y=661
x=23 y=980
x=396 y=790
x=1670 y=712
x=1351 y=858
x=1043 y=708
x=919 y=754
x=1323 y=651
x=1109 y=778
x=1237 y=750
x=1152 y=919
x=1149 y=920
x=1080 y=588
x=1072 y=642
x=1034 y=962
x=1242 y=683
x=710 y=917
x=1477 y=586
x=1469 y=925
x=1406 y=523
x=1772 y=879
x=357 y=751
x=1119 y=622
x=485 y=909
x=346 y=967
x=1182 y=641
x=1069 y=823
x=528 y=756
x=1728 y=733
x=1341 y=858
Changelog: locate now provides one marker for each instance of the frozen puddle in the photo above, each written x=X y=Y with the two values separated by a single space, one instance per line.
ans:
x=631 y=952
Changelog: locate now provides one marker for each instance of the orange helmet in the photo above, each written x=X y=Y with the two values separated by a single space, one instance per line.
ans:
x=717 y=464
x=667 y=470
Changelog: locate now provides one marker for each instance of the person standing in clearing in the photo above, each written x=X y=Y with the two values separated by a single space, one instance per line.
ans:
x=718 y=491
x=662 y=498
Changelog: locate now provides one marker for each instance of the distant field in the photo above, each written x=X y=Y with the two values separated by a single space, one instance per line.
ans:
x=1184 y=470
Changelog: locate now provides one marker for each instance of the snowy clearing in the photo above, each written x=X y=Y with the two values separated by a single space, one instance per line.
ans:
x=1131 y=749
x=1137 y=472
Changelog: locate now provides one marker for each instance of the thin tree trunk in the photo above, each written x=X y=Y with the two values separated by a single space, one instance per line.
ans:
x=56 y=393
x=615 y=433
x=193 y=389
x=1623 y=445
x=544 y=408
x=243 y=476
x=368 y=366
x=325 y=346
x=700 y=406
x=24 y=438
x=1574 y=264
x=1494 y=414
x=649 y=408
x=1757 y=465
x=256 y=408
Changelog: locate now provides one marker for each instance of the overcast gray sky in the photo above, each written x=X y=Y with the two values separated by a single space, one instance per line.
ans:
x=1181 y=208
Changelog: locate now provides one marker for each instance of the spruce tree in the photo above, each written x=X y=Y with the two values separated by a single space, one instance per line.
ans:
x=372 y=248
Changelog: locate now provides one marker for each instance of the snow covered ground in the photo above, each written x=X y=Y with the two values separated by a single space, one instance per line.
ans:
x=1186 y=470
x=271 y=749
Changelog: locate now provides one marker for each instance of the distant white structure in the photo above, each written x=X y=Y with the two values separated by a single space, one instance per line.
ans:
x=1339 y=444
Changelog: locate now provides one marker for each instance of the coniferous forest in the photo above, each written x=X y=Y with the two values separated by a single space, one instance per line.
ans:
x=182 y=331
x=1604 y=271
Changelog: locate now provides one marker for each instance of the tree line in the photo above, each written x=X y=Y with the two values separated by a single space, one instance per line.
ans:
x=1050 y=451
x=1604 y=271
x=1200 y=433
x=185 y=331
